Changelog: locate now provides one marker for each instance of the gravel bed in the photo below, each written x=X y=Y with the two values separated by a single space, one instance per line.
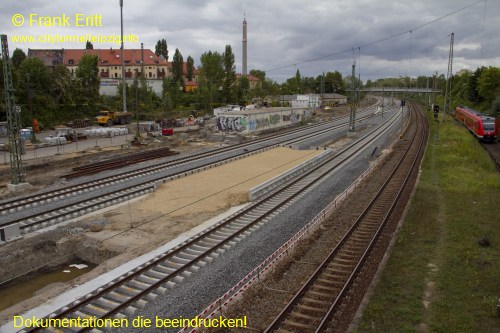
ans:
x=138 y=180
x=204 y=287
x=262 y=302
x=493 y=150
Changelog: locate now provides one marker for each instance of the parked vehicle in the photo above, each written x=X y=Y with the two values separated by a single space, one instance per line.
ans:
x=109 y=118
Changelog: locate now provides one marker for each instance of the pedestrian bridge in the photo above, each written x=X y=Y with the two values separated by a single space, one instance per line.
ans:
x=402 y=90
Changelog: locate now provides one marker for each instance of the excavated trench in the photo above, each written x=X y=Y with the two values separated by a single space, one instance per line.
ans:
x=53 y=259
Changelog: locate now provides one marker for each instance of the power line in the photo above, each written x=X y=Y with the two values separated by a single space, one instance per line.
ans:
x=379 y=40
x=482 y=35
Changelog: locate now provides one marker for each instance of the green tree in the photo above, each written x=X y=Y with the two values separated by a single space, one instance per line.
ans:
x=334 y=82
x=211 y=75
x=177 y=66
x=161 y=49
x=18 y=57
x=87 y=76
x=473 y=92
x=293 y=85
x=40 y=83
x=64 y=89
x=211 y=67
x=460 y=89
x=89 y=46
x=261 y=75
x=172 y=93
x=488 y=84
x=229 y=78
x=189 y=68
x=39 y=78
x=68 y=95
x=243 y=90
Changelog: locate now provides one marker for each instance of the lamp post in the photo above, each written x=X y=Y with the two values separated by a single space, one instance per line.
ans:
x=33 y=138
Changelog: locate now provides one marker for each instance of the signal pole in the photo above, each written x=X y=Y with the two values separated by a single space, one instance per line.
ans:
x=13 y=122
x=352 y=117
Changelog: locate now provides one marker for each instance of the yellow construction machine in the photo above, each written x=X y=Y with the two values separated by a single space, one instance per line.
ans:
x=109 y=118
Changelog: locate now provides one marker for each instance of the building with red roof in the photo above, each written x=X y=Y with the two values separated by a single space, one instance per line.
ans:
x=110 y=64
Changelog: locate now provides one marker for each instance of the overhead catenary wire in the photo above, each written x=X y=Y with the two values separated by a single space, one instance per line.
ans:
x=331 y=55
x=482 y=34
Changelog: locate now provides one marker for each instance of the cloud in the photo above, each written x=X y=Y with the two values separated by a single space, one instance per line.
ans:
x=316 y=36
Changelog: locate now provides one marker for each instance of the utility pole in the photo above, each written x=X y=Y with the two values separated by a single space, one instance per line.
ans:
x=352 y=117
x=322 y=88
x=427 y=100
x=124 y=90
x=13 y=121
x=33 y=137
x=142 y=77
x=449 y=76
x=383 y=101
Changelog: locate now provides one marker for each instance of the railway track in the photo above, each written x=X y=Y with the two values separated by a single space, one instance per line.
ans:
x=93 y=168
x=77 y=200
x=319 y=304
x=493 y=150
x=124 y=295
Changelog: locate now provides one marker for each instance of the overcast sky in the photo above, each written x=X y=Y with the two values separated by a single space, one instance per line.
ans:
x=286 y=35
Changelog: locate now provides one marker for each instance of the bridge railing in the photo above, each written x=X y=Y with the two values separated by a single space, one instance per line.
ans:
x=402 y=90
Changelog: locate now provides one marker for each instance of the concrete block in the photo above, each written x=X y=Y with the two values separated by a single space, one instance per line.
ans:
x=18 y=187
x=10 y=232
x=351 y=134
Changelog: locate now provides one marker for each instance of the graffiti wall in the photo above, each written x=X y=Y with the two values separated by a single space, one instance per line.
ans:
x=234 y=123
x=258 y=121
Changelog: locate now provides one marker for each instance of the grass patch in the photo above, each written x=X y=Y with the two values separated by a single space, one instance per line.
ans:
x=439 y=279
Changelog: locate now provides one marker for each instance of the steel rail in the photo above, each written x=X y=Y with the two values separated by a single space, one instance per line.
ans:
x=197 y=242
x=288 y=310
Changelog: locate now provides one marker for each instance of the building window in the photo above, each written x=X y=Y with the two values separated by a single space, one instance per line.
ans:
x=150 y=74
x=71 y=61
x=116 y=75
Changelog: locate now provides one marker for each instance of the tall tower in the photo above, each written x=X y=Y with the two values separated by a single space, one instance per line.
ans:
x=244 y=63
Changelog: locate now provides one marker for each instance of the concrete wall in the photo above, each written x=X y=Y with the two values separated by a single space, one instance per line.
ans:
x=259 y=120
x=109 y=87
x=304 y=101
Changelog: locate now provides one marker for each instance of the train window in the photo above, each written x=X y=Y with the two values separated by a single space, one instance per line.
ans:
x=489 y=126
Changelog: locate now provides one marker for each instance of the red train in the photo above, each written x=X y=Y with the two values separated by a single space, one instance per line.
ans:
x=484 y=127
